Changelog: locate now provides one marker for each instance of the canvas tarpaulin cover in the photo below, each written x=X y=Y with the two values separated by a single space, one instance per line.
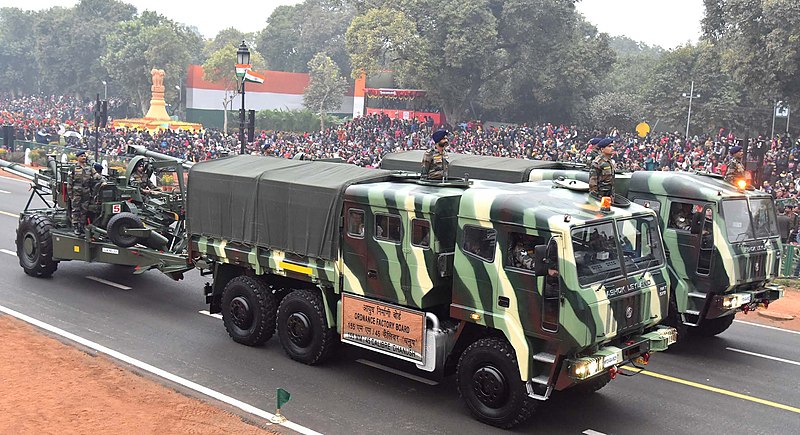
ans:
x=478 y=167
x=290 y=205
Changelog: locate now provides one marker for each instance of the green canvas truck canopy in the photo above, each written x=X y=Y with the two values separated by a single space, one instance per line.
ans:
x=502 y=169
x=290 y=205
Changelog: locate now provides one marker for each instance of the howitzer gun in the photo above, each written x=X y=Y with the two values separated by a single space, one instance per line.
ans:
x=123 y=225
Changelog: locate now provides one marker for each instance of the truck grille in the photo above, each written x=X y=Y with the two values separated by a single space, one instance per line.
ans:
x=753 y=267
x=625 y=312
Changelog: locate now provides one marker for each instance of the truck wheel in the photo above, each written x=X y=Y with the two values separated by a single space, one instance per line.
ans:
x=712 y=327
x=592 y=385
x=488 y=381
x=35 y=245
x=118 y=224
x=248 y=311
x=303 y=329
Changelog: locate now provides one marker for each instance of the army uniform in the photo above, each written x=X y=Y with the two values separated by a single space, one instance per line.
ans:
x=435 y=164
x=734 y=170
x=601 y=178
x=141 y=181
x=80 y=192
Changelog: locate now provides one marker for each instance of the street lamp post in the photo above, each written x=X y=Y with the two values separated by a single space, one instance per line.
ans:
x=105 y=90
x=242 y=58
x=178 y=106
x=691 y=95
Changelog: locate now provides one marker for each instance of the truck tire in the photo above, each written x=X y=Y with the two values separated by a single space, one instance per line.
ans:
x=117 y=226
x=592 y=385
x=488 y=381
x=35 y=245
x=248 y=311
x=303 y=329
x=712 y=327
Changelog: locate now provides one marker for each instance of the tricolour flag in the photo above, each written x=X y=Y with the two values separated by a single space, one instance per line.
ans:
x=241 y=69
x=252 y=76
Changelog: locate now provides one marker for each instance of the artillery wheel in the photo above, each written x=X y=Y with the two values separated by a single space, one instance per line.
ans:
x=592 y=385
x=303 y=328
x=118 y=224
x=488 y=381
x=248 y=311
x=712 y=327
x=35 y=245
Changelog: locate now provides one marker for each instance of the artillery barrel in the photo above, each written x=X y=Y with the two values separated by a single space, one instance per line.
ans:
x=142 y=151
x=18 y=169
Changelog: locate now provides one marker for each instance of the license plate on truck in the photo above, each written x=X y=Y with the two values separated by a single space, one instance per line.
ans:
x=384 y=328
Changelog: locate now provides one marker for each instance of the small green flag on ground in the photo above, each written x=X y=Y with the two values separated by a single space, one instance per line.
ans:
x=283 y=397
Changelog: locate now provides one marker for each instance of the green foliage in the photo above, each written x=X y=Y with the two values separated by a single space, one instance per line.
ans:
x=615 y=109
x=294 y=120
x=325 y=88
x=294 y=34
x=17 y=72
x=146 y=42
x=221 y=64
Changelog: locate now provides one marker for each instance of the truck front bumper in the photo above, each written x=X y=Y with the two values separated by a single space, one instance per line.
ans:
x=723 y=305
x=583 y=368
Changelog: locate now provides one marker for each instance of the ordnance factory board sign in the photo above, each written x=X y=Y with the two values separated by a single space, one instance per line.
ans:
x=386 y=328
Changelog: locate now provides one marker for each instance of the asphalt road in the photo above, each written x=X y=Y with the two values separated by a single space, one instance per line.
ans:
x=725 y=385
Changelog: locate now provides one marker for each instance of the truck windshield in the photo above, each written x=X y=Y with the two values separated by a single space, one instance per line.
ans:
x=743 y=223
x=641 y=244
x=596 y=254
x=737 y=220
x=764 y=219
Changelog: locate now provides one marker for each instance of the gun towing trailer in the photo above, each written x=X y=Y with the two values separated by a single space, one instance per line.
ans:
x=518 y=290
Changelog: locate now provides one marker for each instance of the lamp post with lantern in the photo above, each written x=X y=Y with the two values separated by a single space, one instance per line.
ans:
x=242 y=58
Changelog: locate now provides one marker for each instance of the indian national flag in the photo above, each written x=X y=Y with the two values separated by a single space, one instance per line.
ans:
x=241 y=69
x=252 y=76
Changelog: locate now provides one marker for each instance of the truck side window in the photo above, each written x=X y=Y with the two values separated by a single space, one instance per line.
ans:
x=480 y=242
x=388 y=228
x=355 y=223
x=420 y=233
x=520 y=250
x=680 y=216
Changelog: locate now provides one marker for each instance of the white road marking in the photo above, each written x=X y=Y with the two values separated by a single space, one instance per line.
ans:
x=15 y=179
x=767 y=327
x=4 y=191
x=206 y=313
x=592 y=432
x=13 y=215
x=159 y=372
x=397 y=372
x=761 y=355
x=106 y=282
x=6 y=251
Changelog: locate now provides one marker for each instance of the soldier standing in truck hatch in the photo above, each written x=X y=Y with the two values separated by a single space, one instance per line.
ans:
x=434 y=162
x=734 y=168
x=601 y=175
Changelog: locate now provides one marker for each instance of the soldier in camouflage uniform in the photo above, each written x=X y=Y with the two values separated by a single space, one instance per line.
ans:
x=601 y=180
x=140 y=179
x=434 y=162
x=80 y=191
x=735 y=169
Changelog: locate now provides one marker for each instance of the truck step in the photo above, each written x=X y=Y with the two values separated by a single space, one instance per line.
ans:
x=545 y=357
x=541 y=380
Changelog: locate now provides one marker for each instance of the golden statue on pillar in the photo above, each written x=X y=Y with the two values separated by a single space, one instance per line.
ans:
x=157 y=116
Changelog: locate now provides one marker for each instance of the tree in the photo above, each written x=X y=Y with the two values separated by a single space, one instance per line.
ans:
x=615 y=109
x=17 y=73
x=295 y=34
x=518 y=58
x=220 y=67
x=325 y=88
x=148 y=41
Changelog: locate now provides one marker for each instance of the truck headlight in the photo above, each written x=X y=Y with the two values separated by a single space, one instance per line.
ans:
x=585 y=368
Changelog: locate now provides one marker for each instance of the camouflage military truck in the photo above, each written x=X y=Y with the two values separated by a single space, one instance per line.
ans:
x=519 y=290
x=127 y=228
x=722 y=243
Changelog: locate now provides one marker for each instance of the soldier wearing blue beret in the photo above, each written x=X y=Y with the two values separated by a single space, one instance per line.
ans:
x=601 y=176
x=434 y=162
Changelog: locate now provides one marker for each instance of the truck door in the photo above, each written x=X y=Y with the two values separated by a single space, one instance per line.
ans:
x=354 y=249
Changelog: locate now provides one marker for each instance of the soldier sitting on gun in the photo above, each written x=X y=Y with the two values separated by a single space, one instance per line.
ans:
x=139 y=178
x=601 y=178
x=434 y=162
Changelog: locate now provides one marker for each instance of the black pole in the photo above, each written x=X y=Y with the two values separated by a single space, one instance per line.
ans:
x=96 y=128
x=242 y=122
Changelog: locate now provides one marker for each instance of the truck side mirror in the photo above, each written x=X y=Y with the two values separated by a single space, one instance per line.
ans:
x=540 y=260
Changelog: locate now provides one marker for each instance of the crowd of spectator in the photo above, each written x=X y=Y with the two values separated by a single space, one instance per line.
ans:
x=364 y=141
